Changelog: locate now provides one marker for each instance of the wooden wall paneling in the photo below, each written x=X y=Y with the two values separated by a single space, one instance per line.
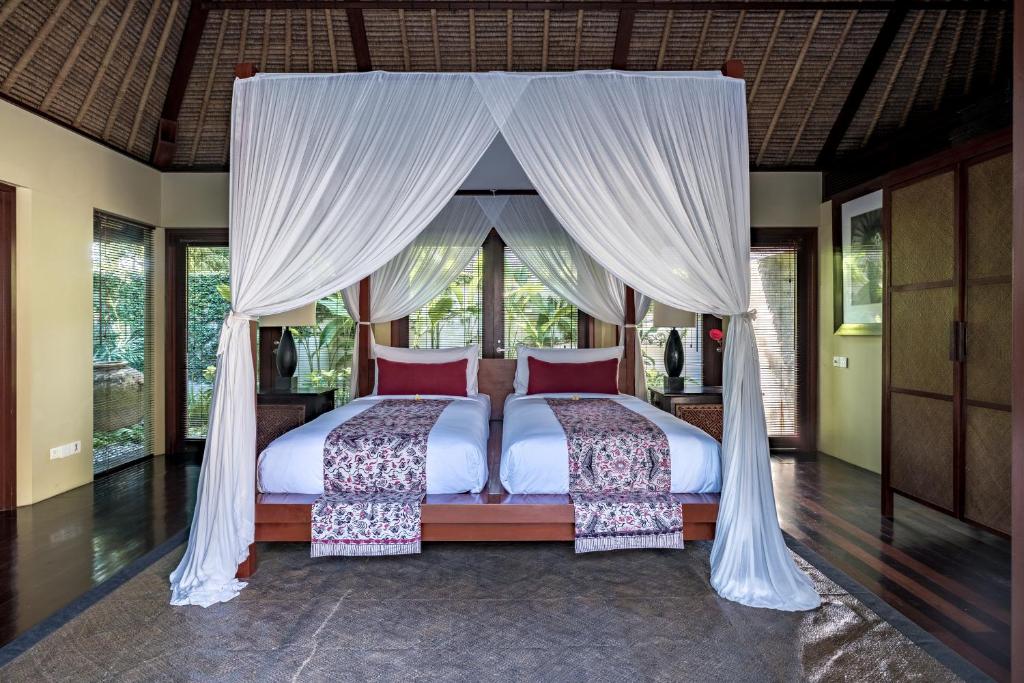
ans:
x=366 y=368
x=1017 y=560
x=494 y=296
x=8 y=395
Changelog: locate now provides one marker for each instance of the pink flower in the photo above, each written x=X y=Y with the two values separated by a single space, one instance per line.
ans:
x=716 y=335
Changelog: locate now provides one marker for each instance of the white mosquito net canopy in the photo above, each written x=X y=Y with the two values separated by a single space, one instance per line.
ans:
x=334 y=176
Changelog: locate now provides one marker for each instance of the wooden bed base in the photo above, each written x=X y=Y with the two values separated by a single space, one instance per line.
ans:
x=492 y=516
x=470 y=517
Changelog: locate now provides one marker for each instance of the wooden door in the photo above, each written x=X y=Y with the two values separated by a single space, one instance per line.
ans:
x=922 y=304
x=985 y=438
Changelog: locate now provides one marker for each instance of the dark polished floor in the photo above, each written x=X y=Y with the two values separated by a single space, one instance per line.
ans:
x=952 y=579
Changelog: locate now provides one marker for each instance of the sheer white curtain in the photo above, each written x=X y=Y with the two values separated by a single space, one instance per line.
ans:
x=650 y=175
x=530 y=230
x=425 y=268
x=331 y=177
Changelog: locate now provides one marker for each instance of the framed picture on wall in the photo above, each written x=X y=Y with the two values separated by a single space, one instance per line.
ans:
x=857 y=269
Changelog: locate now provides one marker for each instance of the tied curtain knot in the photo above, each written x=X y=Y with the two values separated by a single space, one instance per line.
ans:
x=750 y=315
x=233 y=321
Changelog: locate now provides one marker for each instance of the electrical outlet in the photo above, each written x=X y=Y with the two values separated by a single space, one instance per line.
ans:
x=840 y=361
x=66 y=450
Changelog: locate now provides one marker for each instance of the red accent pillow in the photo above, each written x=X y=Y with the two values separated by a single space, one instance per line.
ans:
x=598 y=377
x=448 y=379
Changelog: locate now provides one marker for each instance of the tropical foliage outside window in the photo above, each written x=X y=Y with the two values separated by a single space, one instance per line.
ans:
x=534 y=315
x=454 y=317
x=207 y=301
x=325 y=350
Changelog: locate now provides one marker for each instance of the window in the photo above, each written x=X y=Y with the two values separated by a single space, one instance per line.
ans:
x=207 y=301
x=652 y=348
x=325 y=350
x=122 y=313
x=455 y=317
x=773 y=294
x=534 y=315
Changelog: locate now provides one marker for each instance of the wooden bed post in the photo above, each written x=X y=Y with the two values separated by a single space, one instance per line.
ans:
x=627 y=373
x=248 y=567
x=733 y=68
x=365 y=366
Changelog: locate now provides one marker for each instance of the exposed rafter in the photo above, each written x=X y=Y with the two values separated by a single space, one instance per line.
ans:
x=360 y=45
x=623 y=38
x=613 y=5
x=154 y=66
x=891 y=83
x=879 y=49
x=922 y=68
x=101 y=72
x=756 y=86
x=165 y=145
x=129 y=73
x=72 y=57
x=38 y=39
x=210 y=76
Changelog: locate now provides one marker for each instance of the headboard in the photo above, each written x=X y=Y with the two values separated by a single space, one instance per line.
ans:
x=495 y=379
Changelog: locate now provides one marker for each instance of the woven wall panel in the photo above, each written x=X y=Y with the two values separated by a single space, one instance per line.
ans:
x=989 y=217
x=922 y=448
x=987 y=374
x=920 y=321
x=987 y=463
x=921 y=241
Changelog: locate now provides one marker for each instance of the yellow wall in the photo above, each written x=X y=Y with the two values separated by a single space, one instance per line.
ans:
x=61 y=178
x=849 y=399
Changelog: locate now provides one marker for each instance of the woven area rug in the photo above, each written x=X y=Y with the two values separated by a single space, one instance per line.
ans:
x=533 y=612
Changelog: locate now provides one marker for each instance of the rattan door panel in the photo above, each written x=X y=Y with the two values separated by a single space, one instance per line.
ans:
x=922 y=448
x=920 y=328
x=987 y=467
x=922 y=231
x=987 y=362
x=989 y=218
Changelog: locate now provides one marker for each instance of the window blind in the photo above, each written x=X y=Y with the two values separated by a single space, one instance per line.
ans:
x=534 y=315
x=325 y=350
x=652 y=347
x=207 y=302
x=122 y=315
x=773 y=294
x=455 y=317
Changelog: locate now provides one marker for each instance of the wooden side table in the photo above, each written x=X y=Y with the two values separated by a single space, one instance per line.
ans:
x=698 y=405
x=316 y=403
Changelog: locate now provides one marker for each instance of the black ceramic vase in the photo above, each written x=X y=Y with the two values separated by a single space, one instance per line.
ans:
x=287 y=360
x=674 y=354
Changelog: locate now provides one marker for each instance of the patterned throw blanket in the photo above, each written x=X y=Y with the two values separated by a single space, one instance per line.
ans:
x=375 y=474
x=620 y=473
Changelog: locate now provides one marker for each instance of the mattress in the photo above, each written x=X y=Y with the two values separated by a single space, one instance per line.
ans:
x=456 y=448
x=535 y=459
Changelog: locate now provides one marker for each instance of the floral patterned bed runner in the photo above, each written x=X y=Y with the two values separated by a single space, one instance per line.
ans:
x=375 y=476
x=620 y=474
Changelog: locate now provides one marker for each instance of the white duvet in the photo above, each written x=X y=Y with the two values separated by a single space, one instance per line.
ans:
x=535 y=459
x=456 y=448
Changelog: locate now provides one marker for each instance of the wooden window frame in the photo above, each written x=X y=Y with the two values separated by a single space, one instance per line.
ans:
x=176 y=242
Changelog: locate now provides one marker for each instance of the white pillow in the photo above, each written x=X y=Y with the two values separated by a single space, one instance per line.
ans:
x=522 y=381
x=400 y=354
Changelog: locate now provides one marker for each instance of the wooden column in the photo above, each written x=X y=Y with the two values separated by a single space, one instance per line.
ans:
x=248 y=567
x=400 y=332
x=365 y=364
x=627 y=371
x=1017 y=476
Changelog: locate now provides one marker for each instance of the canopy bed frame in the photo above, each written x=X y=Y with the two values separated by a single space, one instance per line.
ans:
x=494 y=515
x=644 y=175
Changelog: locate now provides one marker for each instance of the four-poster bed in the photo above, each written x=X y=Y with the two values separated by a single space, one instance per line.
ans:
x=645 y=172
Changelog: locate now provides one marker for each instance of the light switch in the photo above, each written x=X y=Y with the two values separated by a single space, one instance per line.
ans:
x=840 y=361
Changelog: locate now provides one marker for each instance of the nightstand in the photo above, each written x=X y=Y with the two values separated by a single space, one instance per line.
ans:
x=316 y=403
x=700 y=406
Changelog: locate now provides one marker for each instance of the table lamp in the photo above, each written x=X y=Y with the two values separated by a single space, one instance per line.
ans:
x=666 y=316
x=286 y=356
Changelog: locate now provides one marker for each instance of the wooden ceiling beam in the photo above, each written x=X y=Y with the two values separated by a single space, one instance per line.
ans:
x=901 y=59
x=129 y=73
x=101 y=72
x=360 y=44
x=165 y=145
x=210 y=76
x=612 y=5
x=72 y=58
x=37 y=40
x=545 y=40
x=330 y=39
x=8 y=9
x=623 y=37
x=866 y=76
x=154 y=67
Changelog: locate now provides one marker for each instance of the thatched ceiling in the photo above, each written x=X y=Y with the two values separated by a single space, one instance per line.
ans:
x=112 y=68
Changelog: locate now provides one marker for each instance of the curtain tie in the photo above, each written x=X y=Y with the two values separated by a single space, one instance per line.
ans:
x=232 y=322
x=750 y=315
x=633 y=325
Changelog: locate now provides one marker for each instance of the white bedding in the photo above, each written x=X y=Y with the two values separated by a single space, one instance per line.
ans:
x=456 y=448
x=535 y=459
